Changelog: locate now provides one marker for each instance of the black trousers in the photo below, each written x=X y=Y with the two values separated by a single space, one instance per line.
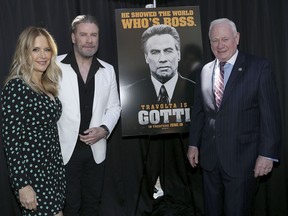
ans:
x=225 y=195
x=84 y=183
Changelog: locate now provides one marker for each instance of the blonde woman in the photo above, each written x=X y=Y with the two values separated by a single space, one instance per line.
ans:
x=30 y=111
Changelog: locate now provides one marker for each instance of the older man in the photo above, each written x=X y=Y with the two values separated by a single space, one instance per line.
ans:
x=235 y=124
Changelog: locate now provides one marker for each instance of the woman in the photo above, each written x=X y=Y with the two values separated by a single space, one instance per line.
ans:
x=30 y=111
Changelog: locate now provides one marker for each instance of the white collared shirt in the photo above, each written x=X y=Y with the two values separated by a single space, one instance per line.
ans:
x=169 y=85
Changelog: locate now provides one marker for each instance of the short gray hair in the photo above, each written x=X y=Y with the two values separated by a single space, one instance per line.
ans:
x=223 y=20
x=160 y=30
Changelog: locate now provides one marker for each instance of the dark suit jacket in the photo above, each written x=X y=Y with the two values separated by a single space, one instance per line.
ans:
x=143 y=93
x=247 y=123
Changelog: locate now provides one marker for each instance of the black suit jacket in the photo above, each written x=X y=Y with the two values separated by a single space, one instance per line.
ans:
x=142 y=96
x=247 y=123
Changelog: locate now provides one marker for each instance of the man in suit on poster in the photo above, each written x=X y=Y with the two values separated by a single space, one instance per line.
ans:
x=159 y=155
x=161 y=46
x=238 y=136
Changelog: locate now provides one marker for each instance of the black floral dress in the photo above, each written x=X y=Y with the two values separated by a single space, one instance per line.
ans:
x=31 y=144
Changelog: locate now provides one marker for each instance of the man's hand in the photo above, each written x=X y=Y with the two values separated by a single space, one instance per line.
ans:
x=27 y=197
x=92 y=135
x=192 y=155
x=263 y=166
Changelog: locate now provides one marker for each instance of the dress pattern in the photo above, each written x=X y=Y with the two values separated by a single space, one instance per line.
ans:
x=31 y=144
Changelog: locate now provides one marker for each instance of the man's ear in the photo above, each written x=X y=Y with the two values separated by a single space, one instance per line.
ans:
x=73 y=37
x=146 y=58
x=237 y=38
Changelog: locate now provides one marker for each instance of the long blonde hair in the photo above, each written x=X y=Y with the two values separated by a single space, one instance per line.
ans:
x=22 y=66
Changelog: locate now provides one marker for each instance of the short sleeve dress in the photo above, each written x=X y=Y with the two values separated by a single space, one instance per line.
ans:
x=31 y=145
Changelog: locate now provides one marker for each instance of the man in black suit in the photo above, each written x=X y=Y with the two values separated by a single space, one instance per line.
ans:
x=158 y=155
x=239 y=137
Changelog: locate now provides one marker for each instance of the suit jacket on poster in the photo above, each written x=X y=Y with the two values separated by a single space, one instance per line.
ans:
x=143 y=93
x=247 y=123
x=106 y=108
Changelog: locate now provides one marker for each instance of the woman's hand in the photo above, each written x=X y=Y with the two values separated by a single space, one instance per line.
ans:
x=27 y=197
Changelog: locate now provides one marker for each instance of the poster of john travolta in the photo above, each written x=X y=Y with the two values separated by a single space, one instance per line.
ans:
x=159 y=51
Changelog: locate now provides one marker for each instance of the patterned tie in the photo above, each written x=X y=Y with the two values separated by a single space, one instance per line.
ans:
x=163 y=95
x=219 y=84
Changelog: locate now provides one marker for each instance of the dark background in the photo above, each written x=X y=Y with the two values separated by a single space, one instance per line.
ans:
x=263 y=25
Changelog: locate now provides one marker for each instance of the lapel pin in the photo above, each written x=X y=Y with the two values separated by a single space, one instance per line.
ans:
x=240 y=69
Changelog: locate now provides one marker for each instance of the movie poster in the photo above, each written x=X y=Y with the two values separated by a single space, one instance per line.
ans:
x=159 y=51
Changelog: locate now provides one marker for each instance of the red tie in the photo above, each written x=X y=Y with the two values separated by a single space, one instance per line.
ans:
x=219 y=84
